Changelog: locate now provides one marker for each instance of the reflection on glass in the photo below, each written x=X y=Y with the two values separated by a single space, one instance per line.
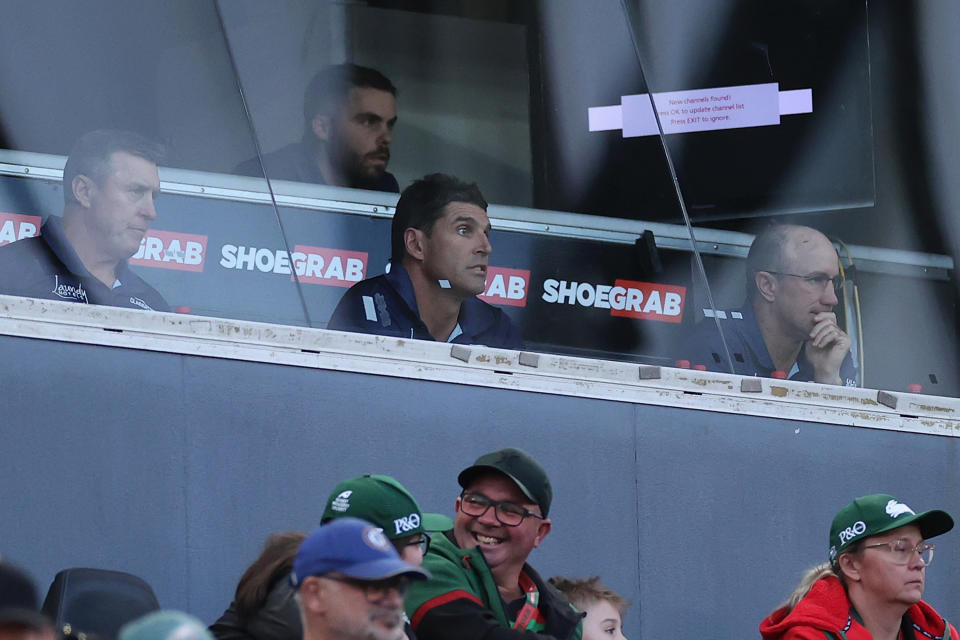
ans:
x=349 y=113
x=769 y=114
x=439 y=263
x=110 y=188
x=787 y=327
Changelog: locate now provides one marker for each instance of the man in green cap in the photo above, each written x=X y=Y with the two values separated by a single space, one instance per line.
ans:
x=386 y=503
x=481 y=586
x=378 y=499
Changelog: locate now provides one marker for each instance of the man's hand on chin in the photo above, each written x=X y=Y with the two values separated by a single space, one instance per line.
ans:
x=826 y=348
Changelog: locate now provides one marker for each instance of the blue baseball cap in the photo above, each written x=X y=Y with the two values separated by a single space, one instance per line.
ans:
x=351 y=547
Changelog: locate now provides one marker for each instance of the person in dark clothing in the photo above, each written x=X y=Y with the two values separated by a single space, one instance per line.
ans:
x=788 y=322
x=110 y=188
x=264 y=602
x=440 y=249
x=264 y=606
x=20 y=615
x=349 y=113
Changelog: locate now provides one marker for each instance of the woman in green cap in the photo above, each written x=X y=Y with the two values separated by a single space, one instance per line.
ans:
x=871 y=588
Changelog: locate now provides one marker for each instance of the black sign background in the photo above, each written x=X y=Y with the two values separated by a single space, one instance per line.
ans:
x=272 y=297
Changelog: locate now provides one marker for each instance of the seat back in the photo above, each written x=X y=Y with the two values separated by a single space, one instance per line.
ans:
x=97 y=601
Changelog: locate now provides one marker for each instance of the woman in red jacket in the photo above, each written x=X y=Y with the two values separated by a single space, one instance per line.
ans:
x=872 y=587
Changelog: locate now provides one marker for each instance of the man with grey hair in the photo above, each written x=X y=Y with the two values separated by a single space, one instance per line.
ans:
x=788 y=322
x=351 y=583
x=110 y=188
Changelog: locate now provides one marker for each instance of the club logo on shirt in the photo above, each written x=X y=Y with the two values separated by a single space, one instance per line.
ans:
x=140 y=303
x=69 y=291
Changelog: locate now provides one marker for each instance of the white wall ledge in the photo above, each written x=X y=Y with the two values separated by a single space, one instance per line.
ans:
x=477 y=366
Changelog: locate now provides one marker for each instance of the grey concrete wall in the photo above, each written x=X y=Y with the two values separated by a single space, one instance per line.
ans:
x=176 y=468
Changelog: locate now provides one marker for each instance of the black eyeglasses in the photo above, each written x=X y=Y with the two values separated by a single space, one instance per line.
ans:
x=423 y=542
x=507 y=513
x=374 y=590
x=818 y=281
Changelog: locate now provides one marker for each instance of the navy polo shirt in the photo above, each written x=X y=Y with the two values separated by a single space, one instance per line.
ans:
x=47 y=267
x=748 y=350
x=386 y=305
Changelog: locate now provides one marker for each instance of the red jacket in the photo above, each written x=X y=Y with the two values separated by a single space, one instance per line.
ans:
x=826 y=609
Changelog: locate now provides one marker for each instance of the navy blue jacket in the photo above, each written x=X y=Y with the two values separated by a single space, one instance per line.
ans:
x=296 y=162
x=748 y=350
x=47 y=267
x=386 y=305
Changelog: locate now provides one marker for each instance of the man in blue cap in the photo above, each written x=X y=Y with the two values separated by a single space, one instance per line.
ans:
x=375 y=498
x=351 y=583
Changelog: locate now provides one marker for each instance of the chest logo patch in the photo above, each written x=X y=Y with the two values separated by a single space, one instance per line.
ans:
x=66 y=291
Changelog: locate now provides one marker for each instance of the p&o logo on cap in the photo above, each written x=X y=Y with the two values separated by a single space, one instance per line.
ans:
x=406 y=523
x=853 y=531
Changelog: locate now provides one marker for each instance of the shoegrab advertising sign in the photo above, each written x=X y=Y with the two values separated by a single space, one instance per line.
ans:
x=220 y=257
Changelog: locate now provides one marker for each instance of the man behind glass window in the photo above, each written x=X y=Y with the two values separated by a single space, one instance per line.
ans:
x=349 y=113
x=440 y=253
x=788 y=321
x=481 y=586
x=110 y=188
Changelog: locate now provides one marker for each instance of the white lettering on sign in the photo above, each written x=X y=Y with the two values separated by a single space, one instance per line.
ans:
x=626 y=298
x=171 y=250
x=312 y=265
x=16 y=226
x=506 y=286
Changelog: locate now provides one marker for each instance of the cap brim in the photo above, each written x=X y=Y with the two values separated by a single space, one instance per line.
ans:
x=467 y=475
x=931 y=523
x=384 y=568
x=436 y=522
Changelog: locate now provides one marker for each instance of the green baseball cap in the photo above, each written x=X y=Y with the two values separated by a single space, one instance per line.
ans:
x=384 y=502
x=165 y=625
x=878 y=513
x=520 y=467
